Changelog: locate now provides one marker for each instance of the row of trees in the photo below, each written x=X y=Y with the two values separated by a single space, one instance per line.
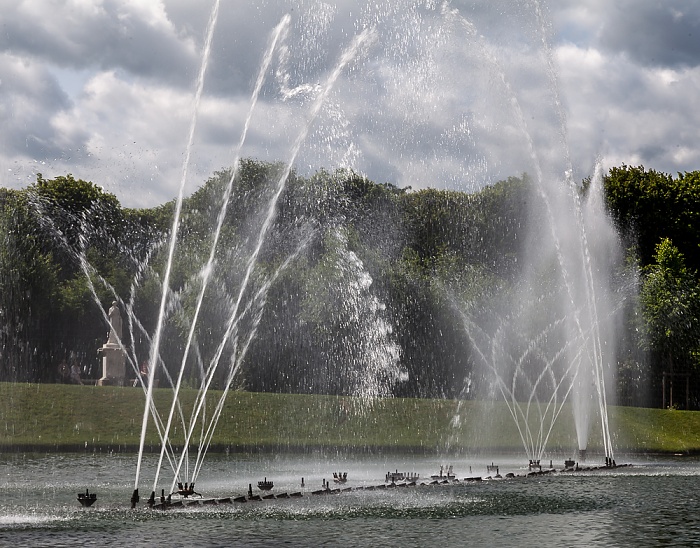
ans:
x=659 y=218
x=352 y=276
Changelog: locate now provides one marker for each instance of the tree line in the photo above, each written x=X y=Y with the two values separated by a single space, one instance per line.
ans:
x=351 y=276
x=657 y=216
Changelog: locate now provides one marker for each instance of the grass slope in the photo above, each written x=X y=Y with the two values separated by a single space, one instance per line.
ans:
x=66 y=417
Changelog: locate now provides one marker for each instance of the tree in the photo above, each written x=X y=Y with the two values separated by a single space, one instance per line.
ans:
x=670 y=298
x=28 y=291
x=649 y=205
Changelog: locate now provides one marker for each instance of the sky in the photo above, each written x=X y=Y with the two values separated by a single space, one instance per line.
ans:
x=450 y=95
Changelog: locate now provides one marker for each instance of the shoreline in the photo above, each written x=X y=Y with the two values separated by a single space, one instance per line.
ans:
x=235 y=449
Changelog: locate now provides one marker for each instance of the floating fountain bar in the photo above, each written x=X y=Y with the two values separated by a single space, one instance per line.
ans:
x=393 y=480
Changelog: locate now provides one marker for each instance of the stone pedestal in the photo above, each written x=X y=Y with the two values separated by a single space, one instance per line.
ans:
x=113 y=365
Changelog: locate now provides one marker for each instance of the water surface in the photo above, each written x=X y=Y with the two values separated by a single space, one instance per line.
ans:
x=653 y=503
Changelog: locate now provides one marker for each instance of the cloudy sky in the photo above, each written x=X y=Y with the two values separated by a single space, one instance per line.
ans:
x=416 y=93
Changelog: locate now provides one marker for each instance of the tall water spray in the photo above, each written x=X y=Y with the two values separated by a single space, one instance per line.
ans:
x=548 y=343
x=243 y=308
x=155 y=346
x=207 y=270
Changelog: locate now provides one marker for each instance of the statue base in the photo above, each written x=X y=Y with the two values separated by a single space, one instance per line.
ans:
x=113 y=365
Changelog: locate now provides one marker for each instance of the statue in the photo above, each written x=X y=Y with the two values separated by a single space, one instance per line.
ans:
x=113 y=354
x=115 y=321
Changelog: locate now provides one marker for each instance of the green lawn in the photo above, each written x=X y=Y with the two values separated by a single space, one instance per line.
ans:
x=66 y=417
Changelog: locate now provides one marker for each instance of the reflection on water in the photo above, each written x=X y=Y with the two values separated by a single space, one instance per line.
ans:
x=652 y=503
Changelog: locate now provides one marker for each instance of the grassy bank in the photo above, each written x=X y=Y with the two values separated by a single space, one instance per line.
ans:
x=66 y=417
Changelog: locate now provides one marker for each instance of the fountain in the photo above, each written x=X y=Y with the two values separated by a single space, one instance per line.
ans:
x=243 y=309
x=550 y=343
x=553 y=337
x=543 y=347
x=547 y=343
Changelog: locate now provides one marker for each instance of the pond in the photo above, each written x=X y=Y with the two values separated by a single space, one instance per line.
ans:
x=654 y=502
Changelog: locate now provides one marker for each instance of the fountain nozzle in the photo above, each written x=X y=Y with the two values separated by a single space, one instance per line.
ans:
x=135 y=498
x=87 y=499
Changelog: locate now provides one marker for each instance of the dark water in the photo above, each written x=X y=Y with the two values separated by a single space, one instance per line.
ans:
x=653 y=503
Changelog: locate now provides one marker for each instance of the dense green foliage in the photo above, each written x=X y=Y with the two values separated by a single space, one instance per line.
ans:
x=58 y=234
x=659 y=218
x=649 y=206
x=350 y=273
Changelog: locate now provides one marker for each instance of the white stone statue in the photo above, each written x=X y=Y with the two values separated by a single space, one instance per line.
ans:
x=113 y=354
x=115 y=321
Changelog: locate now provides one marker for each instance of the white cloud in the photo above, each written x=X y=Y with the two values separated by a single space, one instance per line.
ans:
x=447 y=95
x=137 y=138
x=631 y=113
